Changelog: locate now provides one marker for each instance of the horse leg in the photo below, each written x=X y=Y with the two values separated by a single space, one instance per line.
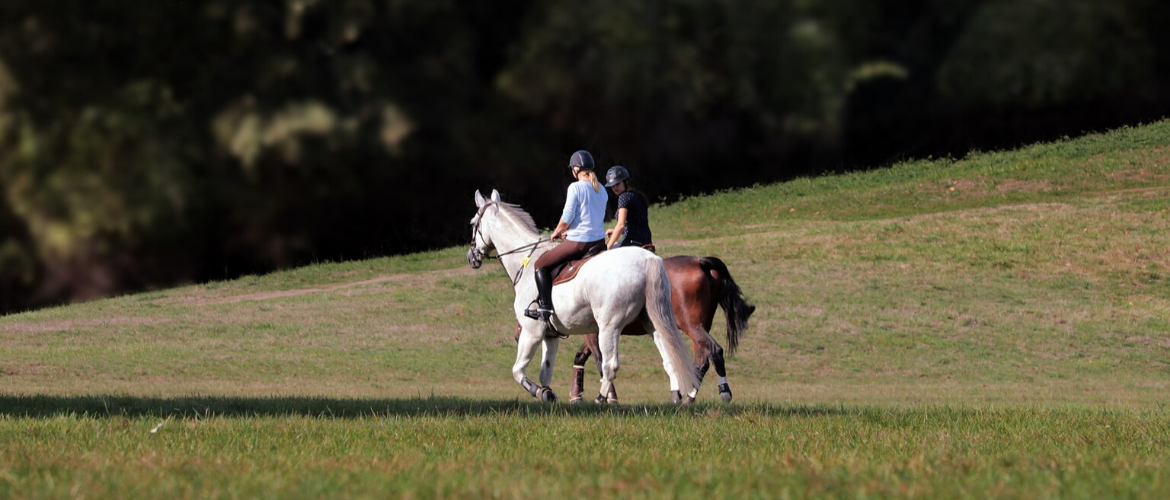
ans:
x=675 y=394
x=579 y=370
x=548 y=360
x=589 y=347
x=591 y=342
x=717 y=358
x=716 y=353
x=703 y=345
x=608 y=342
x=612 y=394
x=691 y=307
x=525 y=349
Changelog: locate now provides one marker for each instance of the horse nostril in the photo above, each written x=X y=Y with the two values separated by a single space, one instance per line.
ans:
x=473 y=258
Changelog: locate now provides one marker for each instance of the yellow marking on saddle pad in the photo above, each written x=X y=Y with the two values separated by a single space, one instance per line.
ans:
x=524 y=261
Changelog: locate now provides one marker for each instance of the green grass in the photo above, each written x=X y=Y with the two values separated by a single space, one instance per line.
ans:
x=436 y=448
x=997 y=325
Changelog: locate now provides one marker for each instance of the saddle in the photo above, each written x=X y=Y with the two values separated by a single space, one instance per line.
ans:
x=567 y=271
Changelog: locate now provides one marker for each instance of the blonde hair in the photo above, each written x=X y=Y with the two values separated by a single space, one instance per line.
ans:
x=592 y=179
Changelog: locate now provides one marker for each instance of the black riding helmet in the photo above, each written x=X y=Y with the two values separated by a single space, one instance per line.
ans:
x=616 y=175
x=581 y=159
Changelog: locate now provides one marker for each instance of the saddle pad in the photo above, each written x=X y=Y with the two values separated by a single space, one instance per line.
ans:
x=569 y=271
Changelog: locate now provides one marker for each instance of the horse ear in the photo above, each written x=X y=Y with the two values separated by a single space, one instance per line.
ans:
x=479 y=201
x=495 y=196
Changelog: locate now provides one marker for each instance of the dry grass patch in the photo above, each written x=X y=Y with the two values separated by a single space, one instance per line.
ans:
x=198 y=296
x=76 y=325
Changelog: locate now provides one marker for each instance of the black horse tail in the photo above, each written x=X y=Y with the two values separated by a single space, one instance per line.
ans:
x=731 y=300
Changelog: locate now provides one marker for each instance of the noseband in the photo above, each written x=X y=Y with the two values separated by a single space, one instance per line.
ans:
x=480 y=255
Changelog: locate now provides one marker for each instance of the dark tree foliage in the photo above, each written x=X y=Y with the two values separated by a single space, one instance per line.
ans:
x=145 y=144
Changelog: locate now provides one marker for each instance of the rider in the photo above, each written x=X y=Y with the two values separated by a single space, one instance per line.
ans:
x=632 y=221
x=582 y=226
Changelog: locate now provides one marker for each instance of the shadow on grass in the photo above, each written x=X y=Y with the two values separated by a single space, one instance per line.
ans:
x=41 y=406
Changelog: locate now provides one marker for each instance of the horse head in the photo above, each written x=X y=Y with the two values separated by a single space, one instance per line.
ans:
x=480 y=242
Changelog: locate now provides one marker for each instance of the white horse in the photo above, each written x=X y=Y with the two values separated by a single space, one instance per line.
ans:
x=612 y=290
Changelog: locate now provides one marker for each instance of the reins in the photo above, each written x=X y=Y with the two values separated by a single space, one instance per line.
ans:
x=523 y=262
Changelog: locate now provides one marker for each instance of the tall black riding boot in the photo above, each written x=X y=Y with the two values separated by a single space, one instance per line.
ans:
x=544 y=309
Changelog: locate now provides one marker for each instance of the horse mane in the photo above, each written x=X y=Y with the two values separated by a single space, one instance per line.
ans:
x=518 y=215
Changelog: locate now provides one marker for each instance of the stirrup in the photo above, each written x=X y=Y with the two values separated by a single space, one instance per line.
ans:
x=545 y=315
x=540 y=314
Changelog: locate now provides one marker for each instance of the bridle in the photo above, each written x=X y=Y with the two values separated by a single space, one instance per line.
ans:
x=480 y=255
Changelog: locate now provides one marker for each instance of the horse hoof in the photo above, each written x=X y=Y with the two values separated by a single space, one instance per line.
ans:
x=600 y=399
x=612 y=401
x=688 y=400
x=675 y=397
x=576 y=400
x=546 y=395
x=725 y=393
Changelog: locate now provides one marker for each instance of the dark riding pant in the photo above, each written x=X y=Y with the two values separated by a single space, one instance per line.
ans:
x=564 y=252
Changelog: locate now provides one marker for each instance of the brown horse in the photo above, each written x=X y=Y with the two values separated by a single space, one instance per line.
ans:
x=698 y=285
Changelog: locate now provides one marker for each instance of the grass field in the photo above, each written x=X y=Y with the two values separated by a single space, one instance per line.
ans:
x=993 y=326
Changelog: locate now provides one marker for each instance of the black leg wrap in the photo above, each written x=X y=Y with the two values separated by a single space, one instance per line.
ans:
x=717 y=358
x=725 y=392
x=600 y=399
x=703 y=371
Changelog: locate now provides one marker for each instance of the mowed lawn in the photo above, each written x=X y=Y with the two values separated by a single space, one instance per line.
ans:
x=993 y=326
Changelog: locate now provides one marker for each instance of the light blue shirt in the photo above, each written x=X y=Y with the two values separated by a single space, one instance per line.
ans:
x=585 y=212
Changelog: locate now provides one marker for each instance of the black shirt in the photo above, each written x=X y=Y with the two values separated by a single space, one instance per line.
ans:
x=637 y=223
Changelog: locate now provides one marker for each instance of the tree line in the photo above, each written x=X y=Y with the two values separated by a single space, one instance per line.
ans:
x=144 y=144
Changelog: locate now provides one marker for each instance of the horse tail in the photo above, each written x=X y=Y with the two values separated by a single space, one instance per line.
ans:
x=658 y=307
x=730 y=298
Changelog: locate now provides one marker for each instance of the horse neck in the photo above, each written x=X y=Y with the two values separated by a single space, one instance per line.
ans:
x=508 y=236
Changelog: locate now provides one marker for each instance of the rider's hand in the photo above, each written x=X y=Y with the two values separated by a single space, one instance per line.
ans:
x=608 y=232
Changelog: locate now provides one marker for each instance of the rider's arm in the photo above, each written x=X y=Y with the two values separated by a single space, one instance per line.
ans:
x=569 y=214
x=617 y=229
x=561 y=228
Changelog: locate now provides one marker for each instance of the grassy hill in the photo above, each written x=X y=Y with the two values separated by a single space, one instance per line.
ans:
x=1018 y=299
x=1038 y=275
